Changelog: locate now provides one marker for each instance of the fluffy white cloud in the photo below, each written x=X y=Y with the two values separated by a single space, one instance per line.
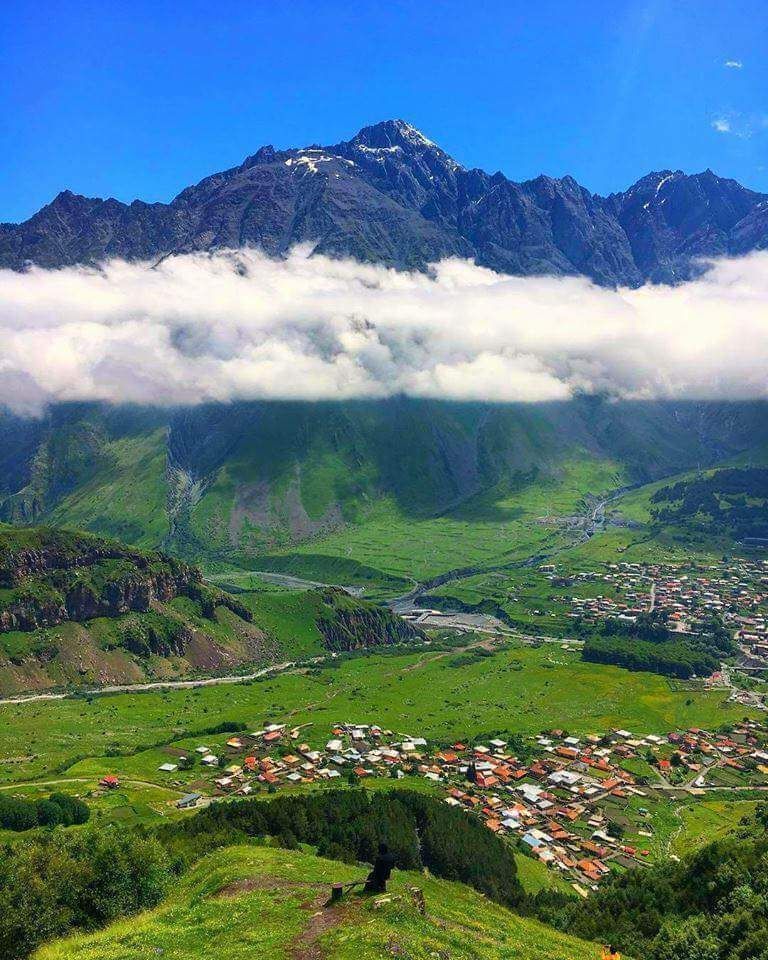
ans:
x=239 y=325
x=721 y=124
x=733 y=64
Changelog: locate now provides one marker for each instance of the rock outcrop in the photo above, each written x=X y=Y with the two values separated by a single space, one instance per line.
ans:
x=360 y=626
x=60 y=576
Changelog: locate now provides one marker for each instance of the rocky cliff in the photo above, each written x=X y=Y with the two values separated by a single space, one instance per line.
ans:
x=352 y=625
x=52 y=576
x=78 y=610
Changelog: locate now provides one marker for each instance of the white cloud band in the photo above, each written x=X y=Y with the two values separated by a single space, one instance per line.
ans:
x=238 y=325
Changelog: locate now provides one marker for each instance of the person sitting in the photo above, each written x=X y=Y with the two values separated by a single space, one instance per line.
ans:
x=376 y=881
x=610 y=953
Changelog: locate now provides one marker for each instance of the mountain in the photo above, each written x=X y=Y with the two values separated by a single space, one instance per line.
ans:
x=234 y=483
x=79 y=610
x=389 y=195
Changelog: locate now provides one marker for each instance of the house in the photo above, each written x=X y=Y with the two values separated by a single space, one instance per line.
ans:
x=188 y=801
x=110 y=782
x=530 y=841
x=168 y=767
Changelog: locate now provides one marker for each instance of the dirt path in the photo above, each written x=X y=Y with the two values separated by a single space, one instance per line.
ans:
x=324 y=918
x=670 y=841
x=19 y=785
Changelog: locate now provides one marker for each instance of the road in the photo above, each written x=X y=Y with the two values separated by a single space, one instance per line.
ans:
x=594 y=519
x=61 y=780
x=164 y=684
x=284 y=580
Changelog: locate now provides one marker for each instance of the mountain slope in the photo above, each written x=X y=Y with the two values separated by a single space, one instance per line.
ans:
x=230 y=484
x=389 y=195
x=78 y=610
x=245 y=901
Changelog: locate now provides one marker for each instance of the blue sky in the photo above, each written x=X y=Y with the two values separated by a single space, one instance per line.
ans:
x=141 y=98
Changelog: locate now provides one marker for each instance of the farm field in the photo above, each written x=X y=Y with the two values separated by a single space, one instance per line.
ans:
x=212 y=914
x=706 y=820
x=518 y=689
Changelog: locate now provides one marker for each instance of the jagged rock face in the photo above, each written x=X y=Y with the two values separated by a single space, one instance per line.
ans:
x=70 y=551
x=65 y=576
x=82 y=602
x=362 y=626
x=389 y=195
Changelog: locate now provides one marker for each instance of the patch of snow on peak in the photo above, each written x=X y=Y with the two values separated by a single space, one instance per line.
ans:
x=310 y=159
x=661 y=182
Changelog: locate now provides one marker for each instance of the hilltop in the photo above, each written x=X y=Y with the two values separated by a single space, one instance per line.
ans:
x=271 y=902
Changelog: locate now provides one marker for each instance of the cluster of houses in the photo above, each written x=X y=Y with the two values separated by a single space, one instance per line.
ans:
x=736 y=591
x=274 y=757
x=574 y=803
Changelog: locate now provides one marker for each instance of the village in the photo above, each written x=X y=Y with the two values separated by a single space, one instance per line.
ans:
x=580 y=805
x=735 y=591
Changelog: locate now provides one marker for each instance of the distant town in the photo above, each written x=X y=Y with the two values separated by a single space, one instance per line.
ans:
x=736 y=591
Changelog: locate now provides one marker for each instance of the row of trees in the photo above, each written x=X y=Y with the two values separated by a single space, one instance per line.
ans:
x=55 y=881
x=647 y=644
x=672 y=659
x=349 y=825
x=58 y=809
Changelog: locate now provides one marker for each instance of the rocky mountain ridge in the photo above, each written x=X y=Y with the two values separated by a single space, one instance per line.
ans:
x=59 y=576
x=389 y=195
x=76 y=610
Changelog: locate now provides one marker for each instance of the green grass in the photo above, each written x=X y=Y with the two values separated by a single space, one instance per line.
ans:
x=261 y=901
x=125 y=499
x=706 y=820
x=497 y=527
x=536 y=876
x=520 y=690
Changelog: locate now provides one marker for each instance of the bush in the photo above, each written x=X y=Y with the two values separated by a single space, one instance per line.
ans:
x=57 y=881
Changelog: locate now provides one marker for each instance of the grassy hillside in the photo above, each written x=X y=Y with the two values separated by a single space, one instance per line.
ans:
x=77 y=610
x=270 y=902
